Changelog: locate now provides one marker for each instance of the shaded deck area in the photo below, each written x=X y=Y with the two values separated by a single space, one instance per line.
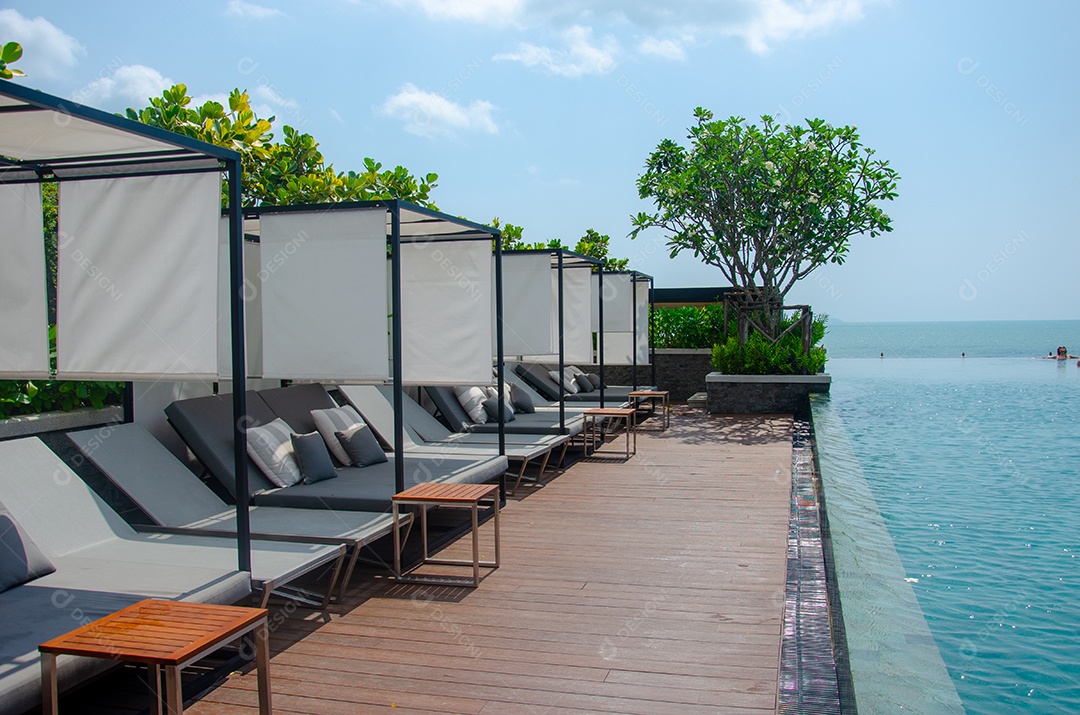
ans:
x=652 y=586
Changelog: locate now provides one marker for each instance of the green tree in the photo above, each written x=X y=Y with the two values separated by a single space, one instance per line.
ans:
x=9 y=54
x=765 y=204
x=592 y=244
x=292 y=171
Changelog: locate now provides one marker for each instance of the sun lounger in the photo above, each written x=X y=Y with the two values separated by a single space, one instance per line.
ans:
x=175 y=499
x=65 y=517
x=537 y=376
x=205 y=425
x=426 y=435
x=539 y=422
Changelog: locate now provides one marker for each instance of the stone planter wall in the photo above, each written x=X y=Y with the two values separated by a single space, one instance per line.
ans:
x=763 y=394
x=682 y=372
x=53 y=421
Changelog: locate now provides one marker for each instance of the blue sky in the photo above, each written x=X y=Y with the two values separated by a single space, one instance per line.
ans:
x=543 y=113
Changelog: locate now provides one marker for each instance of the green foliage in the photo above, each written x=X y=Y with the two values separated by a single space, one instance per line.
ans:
x=595 y=245
x=757 y=356
x=689 y=326
x=592 y=244
x=766 y=205
x=292 y=171
x=10 y=53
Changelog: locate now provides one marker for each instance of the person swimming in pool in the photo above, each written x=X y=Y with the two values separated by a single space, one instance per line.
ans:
x=1062 y=354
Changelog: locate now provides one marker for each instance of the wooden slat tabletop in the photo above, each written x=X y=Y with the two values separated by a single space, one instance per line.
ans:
x=156 y=632
x=451 y=493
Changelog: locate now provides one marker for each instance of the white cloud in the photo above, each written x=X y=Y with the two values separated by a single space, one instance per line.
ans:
x=667 y=49
x=133 y=85
x=47 y=50
x=251 y=11
x=580 y=56
x=759 y=23
x=488 y=12
x=428 y=114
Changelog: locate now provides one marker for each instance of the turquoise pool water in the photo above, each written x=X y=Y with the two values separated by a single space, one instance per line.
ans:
x=974 y=465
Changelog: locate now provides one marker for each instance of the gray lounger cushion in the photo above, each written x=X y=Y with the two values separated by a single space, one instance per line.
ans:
x=206 y=426
x=21 y=560
x=538 y=377
x=171 y=495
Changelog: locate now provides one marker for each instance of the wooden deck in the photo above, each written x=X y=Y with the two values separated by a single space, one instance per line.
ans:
x=651 y=586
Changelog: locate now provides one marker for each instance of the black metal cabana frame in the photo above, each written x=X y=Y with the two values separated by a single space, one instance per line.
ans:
x=561 y=260
x=636 y=277
x=409 y=223
x=48 y=139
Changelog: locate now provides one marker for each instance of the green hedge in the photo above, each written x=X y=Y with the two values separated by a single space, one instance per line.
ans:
x=759 y=357
x=689 y=326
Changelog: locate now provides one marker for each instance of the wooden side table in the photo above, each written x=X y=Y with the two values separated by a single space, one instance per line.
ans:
x=467 y=496
x=627 y=414
x=665 y=401
x=173 y=634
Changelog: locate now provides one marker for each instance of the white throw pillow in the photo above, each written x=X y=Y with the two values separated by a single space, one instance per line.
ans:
x=336 y=419
x=472 y=401
x=270 y=447
x=566 y=380
x=574 y=370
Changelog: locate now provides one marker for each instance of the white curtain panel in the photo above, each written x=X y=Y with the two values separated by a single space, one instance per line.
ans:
x=252 y=308
x=24 y=312
x=577 y=321
x=618 y=299
x=642 y=341
x=618 y=349
x=528 y=304
x=322 y=283
x=138 y=285
x=446 y=312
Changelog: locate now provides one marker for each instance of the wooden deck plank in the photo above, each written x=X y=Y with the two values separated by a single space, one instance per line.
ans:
x=653 y=585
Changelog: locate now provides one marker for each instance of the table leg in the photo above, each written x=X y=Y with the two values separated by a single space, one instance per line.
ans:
x=397 y=540
x=423 y=530
x=174 y=693
x=262 y=665
x=497 y=533
x=49 y=698
x=153 y=677
x=629 y=418
x=476 y=543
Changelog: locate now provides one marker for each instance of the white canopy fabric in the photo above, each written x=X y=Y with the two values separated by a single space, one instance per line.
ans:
x=137 y=278
x=252 y=308
x=446 y=312
x=322 y=282
x=620 y=306
x=24 y=311
x=577 y=325
x=528 y=304
x=642 y=339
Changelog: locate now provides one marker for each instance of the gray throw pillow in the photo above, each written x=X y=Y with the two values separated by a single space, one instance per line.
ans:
x=584 y=383
x=594 y=379
x=313 y=457
x=491 y=406
x=521 y=400
x=21 y=561
x=361 y=446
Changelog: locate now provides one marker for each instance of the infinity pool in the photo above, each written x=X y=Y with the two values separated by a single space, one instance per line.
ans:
x=972 y=466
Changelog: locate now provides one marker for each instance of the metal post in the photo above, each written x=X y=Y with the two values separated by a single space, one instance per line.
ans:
x=239 y=368
x=633 y=329
x=500 y=381
x=129 y=402
x=399 y=389
x=652 y=345
x=562 y=390
x=600 y=324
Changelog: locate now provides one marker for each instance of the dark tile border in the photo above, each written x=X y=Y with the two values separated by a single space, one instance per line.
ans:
x=814 y=674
